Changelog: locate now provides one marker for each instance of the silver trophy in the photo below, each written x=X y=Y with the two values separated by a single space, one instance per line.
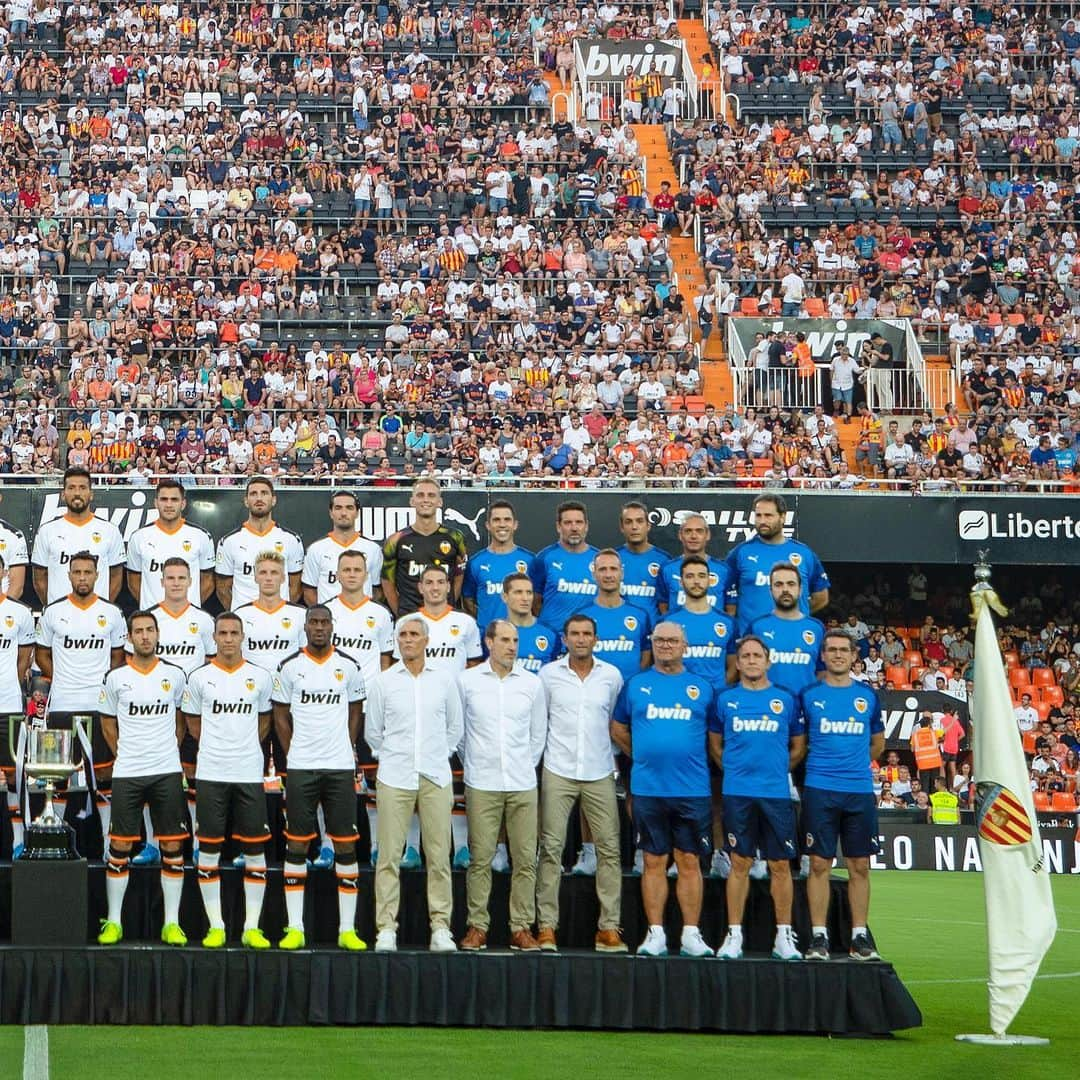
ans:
x=48 y=760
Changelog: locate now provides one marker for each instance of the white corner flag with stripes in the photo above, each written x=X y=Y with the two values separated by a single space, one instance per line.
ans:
x=1020 y=919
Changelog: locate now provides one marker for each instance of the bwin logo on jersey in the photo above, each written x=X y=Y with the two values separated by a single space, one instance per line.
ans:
x=127 y=514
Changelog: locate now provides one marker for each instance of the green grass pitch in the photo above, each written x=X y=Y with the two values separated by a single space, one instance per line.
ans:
x=929 y=925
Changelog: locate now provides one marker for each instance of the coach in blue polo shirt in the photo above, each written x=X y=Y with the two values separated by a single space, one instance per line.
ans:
x=757 y=737
x=845 y=732
x=660 y=723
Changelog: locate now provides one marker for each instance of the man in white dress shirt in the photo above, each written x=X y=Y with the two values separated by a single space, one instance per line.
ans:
x=505 y=729
x=413 y=724
x=581 y=691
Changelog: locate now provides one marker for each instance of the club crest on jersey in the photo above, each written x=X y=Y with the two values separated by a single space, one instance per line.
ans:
x=542 y=643
x=101 y=621
x=719 y=629
x=521 y=566
x=693 y=692
x=795 y=558
x=369 y=622
x=776 y=706
x=101 y=698
x=9 y=622
x=339 y=674
x=861 y=705
x=186 y=545
x=286 y=624
x=166 y=685
x=279 y=547
x=630 y=623
x=95 y=538
x=249 y=685
x=444 y=547
x=714 y=580
x=454 y=631
x=193 y=627
x=654 y=569
x=808 y=637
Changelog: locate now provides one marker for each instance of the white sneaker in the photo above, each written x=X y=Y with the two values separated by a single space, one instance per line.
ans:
x=386 y=941
x=693 y=944
x=442 y=940
x=586 y=862
x=732 y=947
x=500 y=862
x=785 y=946
x=759 y=870
x=720 y=867
x=639 y=863
x=655 y=944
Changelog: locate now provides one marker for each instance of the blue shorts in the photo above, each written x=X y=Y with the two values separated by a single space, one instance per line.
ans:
x=760 y=825
x=681 y=824
x=850 y=817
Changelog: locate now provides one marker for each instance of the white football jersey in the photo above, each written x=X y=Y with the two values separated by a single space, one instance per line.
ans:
x=16 y=631
x=145 y=706
x=150 y=546
x=237 y=552
x=270 y=636
x=82 y=639
x=186 y=640
x=59 y=539
x=229 y=702
x=14 y=552
x=453 y=640
x=365 y=632
x=318 y=693
x=321 y=561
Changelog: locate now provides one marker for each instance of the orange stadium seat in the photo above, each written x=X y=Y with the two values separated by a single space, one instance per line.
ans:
x=1019 y=676
x=1043 y=676
x=814 y=307
x=1028 y=738
x=748 y=306
x=1064 y=802
x=1012 y=658
x=896 y=674
x=917 y=671
x=1043 y=709
x=912 y=656
x=696 y=405
x=1052 y=695
x=1042 y=801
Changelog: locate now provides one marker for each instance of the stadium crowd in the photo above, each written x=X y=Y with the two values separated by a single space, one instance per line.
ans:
x=327 y=668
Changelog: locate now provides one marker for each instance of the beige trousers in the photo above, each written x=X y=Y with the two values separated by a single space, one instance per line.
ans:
x=557 y=798
x=396 y=806
x=485 y=811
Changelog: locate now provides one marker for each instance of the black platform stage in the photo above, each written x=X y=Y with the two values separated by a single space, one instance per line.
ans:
x=495 y=989
x=141 y=982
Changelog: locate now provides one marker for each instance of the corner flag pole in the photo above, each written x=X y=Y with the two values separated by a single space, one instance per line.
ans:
x=1020 y=919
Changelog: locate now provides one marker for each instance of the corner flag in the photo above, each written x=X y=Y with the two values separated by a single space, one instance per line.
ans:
x=1020 y=919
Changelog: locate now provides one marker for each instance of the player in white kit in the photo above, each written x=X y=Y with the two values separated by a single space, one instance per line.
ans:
x=77 y=530
x=15 y=556
x=170 y=537
x=16 y=653
x=273 y=629
x=226 y=707
x=140 y=716
x=320 y=579
x=236 y=552
x=318 y=712
x=453 y=637
x=80 y=638
x=186 y=639
x=364 y=629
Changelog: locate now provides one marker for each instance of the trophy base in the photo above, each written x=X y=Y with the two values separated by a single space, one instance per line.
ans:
x=49 y=843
